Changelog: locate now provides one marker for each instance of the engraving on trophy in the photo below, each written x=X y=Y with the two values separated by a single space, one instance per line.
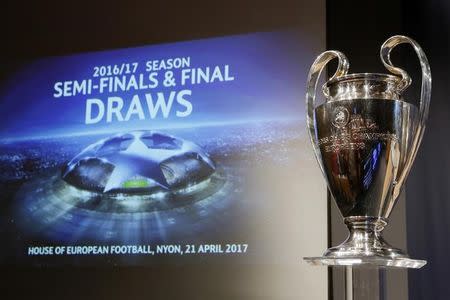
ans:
x=358 y=123
x=353 y=132
x=341 y=117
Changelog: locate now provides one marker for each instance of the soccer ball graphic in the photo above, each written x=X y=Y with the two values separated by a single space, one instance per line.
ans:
x=139 y=162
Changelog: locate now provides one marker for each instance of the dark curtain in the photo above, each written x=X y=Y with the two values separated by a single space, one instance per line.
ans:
x=428 y=186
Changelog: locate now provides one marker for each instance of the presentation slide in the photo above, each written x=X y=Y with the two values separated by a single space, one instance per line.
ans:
x=187 y=152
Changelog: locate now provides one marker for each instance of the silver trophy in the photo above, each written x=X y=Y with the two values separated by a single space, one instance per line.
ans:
x=365 y=138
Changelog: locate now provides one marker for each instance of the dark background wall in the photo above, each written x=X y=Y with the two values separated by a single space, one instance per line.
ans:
x=428 y=189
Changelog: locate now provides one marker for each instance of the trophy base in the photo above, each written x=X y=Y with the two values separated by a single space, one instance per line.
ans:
x=365 y=261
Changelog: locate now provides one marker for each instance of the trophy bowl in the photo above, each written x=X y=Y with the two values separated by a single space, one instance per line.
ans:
x=365 y=137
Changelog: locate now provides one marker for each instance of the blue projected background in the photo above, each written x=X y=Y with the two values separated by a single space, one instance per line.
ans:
x=158 y=154
x=266 y=84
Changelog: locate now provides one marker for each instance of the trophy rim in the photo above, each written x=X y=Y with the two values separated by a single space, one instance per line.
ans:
x=366 y=76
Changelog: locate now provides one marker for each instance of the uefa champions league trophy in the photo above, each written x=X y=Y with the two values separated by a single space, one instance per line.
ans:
x=365 y=138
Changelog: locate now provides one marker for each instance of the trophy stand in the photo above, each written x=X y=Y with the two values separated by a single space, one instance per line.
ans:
x=365 y=278
x=365 y=283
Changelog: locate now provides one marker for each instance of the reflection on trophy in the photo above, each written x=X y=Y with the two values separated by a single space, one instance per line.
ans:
x=365 y=138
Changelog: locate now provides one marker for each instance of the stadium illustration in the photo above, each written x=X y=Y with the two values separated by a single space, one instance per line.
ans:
x=139 y=162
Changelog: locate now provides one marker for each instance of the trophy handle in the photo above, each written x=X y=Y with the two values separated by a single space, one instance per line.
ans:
x=425 y=96
x=313 y=77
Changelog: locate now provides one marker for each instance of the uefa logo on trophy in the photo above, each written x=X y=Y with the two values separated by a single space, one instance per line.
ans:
x=365 y=137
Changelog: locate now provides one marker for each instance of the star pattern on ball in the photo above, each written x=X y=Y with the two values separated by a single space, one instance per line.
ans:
x=138 y=154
